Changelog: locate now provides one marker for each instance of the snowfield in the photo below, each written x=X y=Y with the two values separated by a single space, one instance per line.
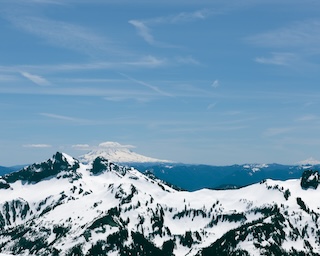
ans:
x=64 y=207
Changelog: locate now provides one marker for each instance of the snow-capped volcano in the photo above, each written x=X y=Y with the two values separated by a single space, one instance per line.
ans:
x=64 y=207
x=118 y=153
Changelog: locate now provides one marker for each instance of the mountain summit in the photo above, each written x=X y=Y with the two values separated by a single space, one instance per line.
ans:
x=118 y=153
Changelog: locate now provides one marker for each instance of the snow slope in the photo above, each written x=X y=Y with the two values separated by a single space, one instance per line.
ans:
x=64 y=207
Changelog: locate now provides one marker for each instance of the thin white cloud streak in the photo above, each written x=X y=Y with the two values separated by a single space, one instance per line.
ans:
x=64 y=118
x=152 y=87
x=307 y=118
x=204 y=129
x=140 y=99
x=215 y=84
x=280 y=59
x=232 y=113
x=116 y=99
x=300 y=34
x=65 y=35
x=35 y=79
x=37 y=146
x=190 y=16
x=90 y=80
x=36 y=2
x=144 y=62
x=302 y=39
x=57 y=2
x=270 y=132
x=111 y=144
x=101 y=146
x=211 y=106
x=182 y=17
x=171 y=125
x=187 y=60
x=148 y=61
x=179 y=89
x=81 y=147
x=114 y=94
x=144 y=30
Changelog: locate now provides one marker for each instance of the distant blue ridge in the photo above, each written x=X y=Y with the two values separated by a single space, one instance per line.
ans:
x=195 y=177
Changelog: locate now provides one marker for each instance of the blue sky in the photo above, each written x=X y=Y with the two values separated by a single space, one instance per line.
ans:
x=215 y=82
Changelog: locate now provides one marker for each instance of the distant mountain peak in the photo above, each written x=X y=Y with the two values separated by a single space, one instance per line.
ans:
x=310 y=161
x=116 y=152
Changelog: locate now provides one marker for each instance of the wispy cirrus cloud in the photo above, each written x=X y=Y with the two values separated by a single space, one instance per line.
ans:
x=307 y=118
x=102 y=145
x=111 y=93
x=215 y=83
x=148 y=61
x=152 y=87
x=47 y=2
x=280 y=59
x=35 y=79
x=300 y=34
x=64 y=118
x=211 y=106
x=64 y=34
x=182 y=17
x=301 y=39
x=81 y=147
x=111 y=144
x=144 y=30
x=187 y=60
x=37 y=146
x=137 y=98
x=277 y=131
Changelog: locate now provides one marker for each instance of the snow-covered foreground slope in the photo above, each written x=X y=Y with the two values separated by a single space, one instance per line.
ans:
x=63 y=207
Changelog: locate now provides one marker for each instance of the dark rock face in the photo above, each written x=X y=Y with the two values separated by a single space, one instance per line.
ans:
x=99 y=165
x=4 y=184
x=310 y=179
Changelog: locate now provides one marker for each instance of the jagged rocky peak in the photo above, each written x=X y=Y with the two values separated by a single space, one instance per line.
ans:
x=99 y=165
x=63 y=158
x=310 y=179
x=60 y=162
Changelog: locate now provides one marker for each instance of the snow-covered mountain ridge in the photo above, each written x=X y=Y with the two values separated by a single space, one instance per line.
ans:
x=65 y=207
